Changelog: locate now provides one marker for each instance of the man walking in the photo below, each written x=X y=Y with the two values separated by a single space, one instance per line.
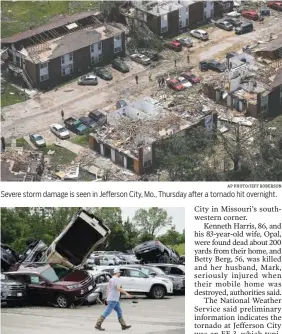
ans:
x=62 y=114
x=113 y=297
x=136 y=79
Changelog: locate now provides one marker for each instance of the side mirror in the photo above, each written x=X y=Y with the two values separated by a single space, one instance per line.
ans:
x=153 y=274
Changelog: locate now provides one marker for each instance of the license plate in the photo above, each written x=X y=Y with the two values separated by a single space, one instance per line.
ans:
x=19 y=294
x=90 y=288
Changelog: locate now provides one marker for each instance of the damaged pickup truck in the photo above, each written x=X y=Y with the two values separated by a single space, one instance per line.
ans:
x=57 y=270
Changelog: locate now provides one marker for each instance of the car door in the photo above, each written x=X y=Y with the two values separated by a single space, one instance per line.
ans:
x=138 y=281
x=38 y=291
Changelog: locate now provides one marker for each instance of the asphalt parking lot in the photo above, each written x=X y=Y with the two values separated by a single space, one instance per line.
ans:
x=166 y=316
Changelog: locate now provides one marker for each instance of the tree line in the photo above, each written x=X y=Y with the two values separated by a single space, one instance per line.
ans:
x=19 y=224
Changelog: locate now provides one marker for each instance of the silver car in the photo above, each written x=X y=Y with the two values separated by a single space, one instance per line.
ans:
x=185 y=41
x=141 y=59
x=89 y=79
x=100 y=293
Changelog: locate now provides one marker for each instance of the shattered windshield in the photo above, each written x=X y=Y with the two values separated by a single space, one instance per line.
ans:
x=55 y=272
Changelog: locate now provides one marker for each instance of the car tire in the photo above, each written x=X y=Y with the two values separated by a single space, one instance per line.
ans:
x=62 y=301
x=157 y=292
x=164 y=258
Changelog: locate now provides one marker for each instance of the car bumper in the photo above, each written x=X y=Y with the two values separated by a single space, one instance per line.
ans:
x=177 y=286
x=13 y=296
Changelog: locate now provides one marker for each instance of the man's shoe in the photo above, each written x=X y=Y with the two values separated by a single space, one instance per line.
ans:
x=123 y=324
x=99 y=324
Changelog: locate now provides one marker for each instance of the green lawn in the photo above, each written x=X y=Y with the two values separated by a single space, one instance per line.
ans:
x=20 y=16
x=16 y=97
x=21 y=142
x=180 y=249
x=80 y=140
x=61 y=156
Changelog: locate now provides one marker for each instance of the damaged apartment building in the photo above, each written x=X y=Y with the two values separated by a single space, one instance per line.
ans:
x=51 y=54
x=248 y=87
x=167 y=18
x=132 y=133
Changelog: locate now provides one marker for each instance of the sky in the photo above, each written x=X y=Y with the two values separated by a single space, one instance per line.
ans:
x=177 y=215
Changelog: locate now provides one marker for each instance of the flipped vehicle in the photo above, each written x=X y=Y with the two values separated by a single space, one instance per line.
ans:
x=175 y=85
x=157 y=272
x=103 y=73
x=185 y=41
x=183 y=81
x=101 y=282
x=200 y=34
x=155 y=251
x=53 y=283
x=225 y=25
x=37 y=140
x=128 y=259
x=60 y=131
x=8 y=257
x=89 y=79
x=75 y=126
x=213 y=65
x=78 y=240
x=174 y=45
x=141 y=59
x=120 y=65
x=135 y=281
x=98 y=116
x=12 y=292
x=191 y=77
x=231 y=54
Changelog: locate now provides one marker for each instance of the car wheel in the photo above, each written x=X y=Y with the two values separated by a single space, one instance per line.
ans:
x=62 y=301
x=164 y=259
x=158 y=292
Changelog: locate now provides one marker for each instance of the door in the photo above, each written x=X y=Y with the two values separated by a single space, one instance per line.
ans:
x=38 y=291
x=138 y=281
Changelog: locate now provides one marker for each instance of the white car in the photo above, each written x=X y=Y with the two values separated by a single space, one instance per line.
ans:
x=135 y=281
x=233 y=14
x=60 y=131
x=141 y=59
x=184 y=82
x=200 y=34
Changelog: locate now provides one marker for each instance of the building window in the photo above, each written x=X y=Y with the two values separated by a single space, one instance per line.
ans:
x=164 y=17
x=67 y=70
x=92 y=48
x=164 y=29
x=118 y=49
x=99 y=46
x=62 y=60
x=205 y=4
x=264 y=103
x=147 y=163
x=70 y=56
x=96 y=59
x=44 y=77
x=43 y=65
x=180 y=24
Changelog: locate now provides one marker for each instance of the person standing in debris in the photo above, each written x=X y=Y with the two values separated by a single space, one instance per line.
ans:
x=159 y=81
x=136 y=79
x=62 y=114
x=175 y=63
x=163 y=81
x=150 y=76
x=188 y=58
x=113 y=296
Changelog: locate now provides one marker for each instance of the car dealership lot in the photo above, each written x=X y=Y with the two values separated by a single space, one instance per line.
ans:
x=147 y=316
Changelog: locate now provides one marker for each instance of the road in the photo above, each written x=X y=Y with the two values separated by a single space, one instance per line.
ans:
x=165 y=316
x=37 y=114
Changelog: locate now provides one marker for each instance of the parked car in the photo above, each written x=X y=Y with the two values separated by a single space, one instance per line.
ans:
x=129 y=259
x=200 y=34
x=182 y=259
x=175 y=85
x=103 y=73
x=101 y=282
x=231 y=54
x=245 y=28
x=264 y=12
x=154 y=56
x=60 y=131
x=77 y=241
x=141 y=59
x=12 y=292
x=183 y=81
x=155 y=251
x=89 y=79
x=233 y=14
x=213 y=65
x=174 y=45
x=135 y=281
x=250 y=14
x=120 y=65
x=88 y=122
x=53 y=283
x=174 y=270
x=37 y=140
x=157 y=272
x=185 y=41
x=235 y=22
x=8 y=257
x=277 y=5
x=107 y=260
x=225 y=25
x=75 y=126
x=99 y=117
x=191 y=77
x=121 y=104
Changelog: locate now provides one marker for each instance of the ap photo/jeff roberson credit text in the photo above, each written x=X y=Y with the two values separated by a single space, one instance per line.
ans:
x=70 y=270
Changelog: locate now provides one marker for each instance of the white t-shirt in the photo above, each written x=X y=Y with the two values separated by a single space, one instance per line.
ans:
x=114 y=294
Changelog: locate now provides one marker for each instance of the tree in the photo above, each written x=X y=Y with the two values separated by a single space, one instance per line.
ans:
x=131 y=234
x=171 y=237
x=151 y=221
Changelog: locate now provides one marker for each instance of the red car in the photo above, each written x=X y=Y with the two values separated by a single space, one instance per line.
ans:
x=191 y=77
x=275 y=5
x=174 y=45
x=250 y=14
x=175 y=85
x=53 y=283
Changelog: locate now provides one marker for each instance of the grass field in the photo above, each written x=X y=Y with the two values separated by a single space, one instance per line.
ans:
x=61 y=156
x=180 y=249
x=19 y=16
x=11 y=95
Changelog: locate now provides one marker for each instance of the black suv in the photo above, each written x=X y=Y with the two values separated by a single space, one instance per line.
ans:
x=8 y=257
x=155 y=251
